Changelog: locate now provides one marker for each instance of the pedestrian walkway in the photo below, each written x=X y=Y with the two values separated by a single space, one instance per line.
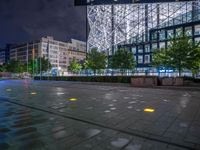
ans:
x=65 y=115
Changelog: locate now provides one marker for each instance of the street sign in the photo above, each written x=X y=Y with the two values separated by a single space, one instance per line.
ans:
x=109 y=2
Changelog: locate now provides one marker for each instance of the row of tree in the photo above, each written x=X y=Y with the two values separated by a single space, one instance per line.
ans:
x=182 y=53
x=122 y=60
x=33 y=66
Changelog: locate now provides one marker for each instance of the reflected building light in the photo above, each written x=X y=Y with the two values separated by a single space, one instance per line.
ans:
x=60 y=93
x=33 y=93
x=8 y=90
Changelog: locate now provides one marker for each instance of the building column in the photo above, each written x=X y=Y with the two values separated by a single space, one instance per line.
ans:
x=113 y=33
x=146 y=23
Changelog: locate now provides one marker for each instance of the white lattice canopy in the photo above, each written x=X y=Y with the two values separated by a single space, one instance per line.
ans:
x=111 y=25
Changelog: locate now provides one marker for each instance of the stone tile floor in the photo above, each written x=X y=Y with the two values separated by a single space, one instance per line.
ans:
x=65 y=115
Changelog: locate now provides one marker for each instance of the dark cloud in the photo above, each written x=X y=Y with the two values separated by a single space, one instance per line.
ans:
x=24 y=20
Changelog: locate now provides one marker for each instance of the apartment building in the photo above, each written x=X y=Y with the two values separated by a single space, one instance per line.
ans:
x=2 y=56
x=59 y=53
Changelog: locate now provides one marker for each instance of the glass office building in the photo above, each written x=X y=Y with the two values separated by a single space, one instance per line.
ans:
x=141 y=28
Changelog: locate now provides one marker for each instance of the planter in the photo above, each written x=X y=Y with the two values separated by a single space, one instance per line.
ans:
x=168 y=81
x=179 y=81
x=144 y=81
x=5 y=74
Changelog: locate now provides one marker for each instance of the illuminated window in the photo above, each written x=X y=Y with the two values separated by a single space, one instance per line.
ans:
x=162 y=35
x=162 y=44
x=168 y=44
x=154 y=36
x=170 y=34
x=197 y=39
x=147 y=59
x=179 y=31
x=154 y=46
x=140 y=59
x=140 y=49
x=188 y=31
x=197 y=30
x=134 y=50
x=147 y=48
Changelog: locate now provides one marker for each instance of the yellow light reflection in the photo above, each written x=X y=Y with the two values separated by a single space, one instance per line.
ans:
x=149 y=110
x=8 y=90
x=33 y=93
x=73 y=99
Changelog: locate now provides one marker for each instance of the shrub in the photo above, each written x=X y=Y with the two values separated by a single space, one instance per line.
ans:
x=110 y=79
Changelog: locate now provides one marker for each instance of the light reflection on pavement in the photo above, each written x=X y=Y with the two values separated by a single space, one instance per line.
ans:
x=68 y=115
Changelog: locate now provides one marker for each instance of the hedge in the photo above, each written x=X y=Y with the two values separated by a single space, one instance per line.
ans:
x=109 y=79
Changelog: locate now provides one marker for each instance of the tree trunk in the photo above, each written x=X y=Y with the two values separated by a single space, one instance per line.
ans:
x=179 y=72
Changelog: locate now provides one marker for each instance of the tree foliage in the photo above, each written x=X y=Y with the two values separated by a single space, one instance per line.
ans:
x=75 y=66
x=38 y=64
x=95 y=60
x=193 y=61
x=33 y=66
x=122 y=59
x=3 y=68
x=15 y=67
x=181 y=54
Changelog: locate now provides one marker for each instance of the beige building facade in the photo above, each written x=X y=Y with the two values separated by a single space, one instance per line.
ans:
x=60 y=54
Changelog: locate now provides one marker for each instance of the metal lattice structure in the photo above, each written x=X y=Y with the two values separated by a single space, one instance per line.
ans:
x=111 y=25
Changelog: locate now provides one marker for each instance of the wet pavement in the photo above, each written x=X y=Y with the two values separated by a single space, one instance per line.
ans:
x=73 y=116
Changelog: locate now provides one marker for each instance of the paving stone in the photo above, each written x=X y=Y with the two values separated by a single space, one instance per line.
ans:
x=103 y=117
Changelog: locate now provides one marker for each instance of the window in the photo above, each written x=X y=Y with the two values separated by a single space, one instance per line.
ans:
x=188 y=31
x=140 y=49
x=154 y=36
x=134 y=50
x=147 y=59
x=162 y=35
x=168 y=44
x=179 y=31
x=162 y=45
x=170 y=34
x=197 y=39
x=140 y=59
x=135 y=58
x=189 y=16
x=197 y=30
x=147 y=48
x=178 y=20
x=154 y=46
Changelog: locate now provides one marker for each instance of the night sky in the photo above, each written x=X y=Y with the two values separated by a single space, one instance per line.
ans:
x=25 y=20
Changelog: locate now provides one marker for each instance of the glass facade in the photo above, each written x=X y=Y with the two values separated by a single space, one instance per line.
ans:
x=140 y=59
x=188 y=31
x=142 y=28
x=197 y=29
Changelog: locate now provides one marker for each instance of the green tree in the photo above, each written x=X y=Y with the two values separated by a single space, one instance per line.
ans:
x=38 y=64
x=95 y=60
x=160 y=58
x=15 y=67
x=75 y=66
x=193 y=60
x=181 y=54
x=122 y=59
x=3 y=68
